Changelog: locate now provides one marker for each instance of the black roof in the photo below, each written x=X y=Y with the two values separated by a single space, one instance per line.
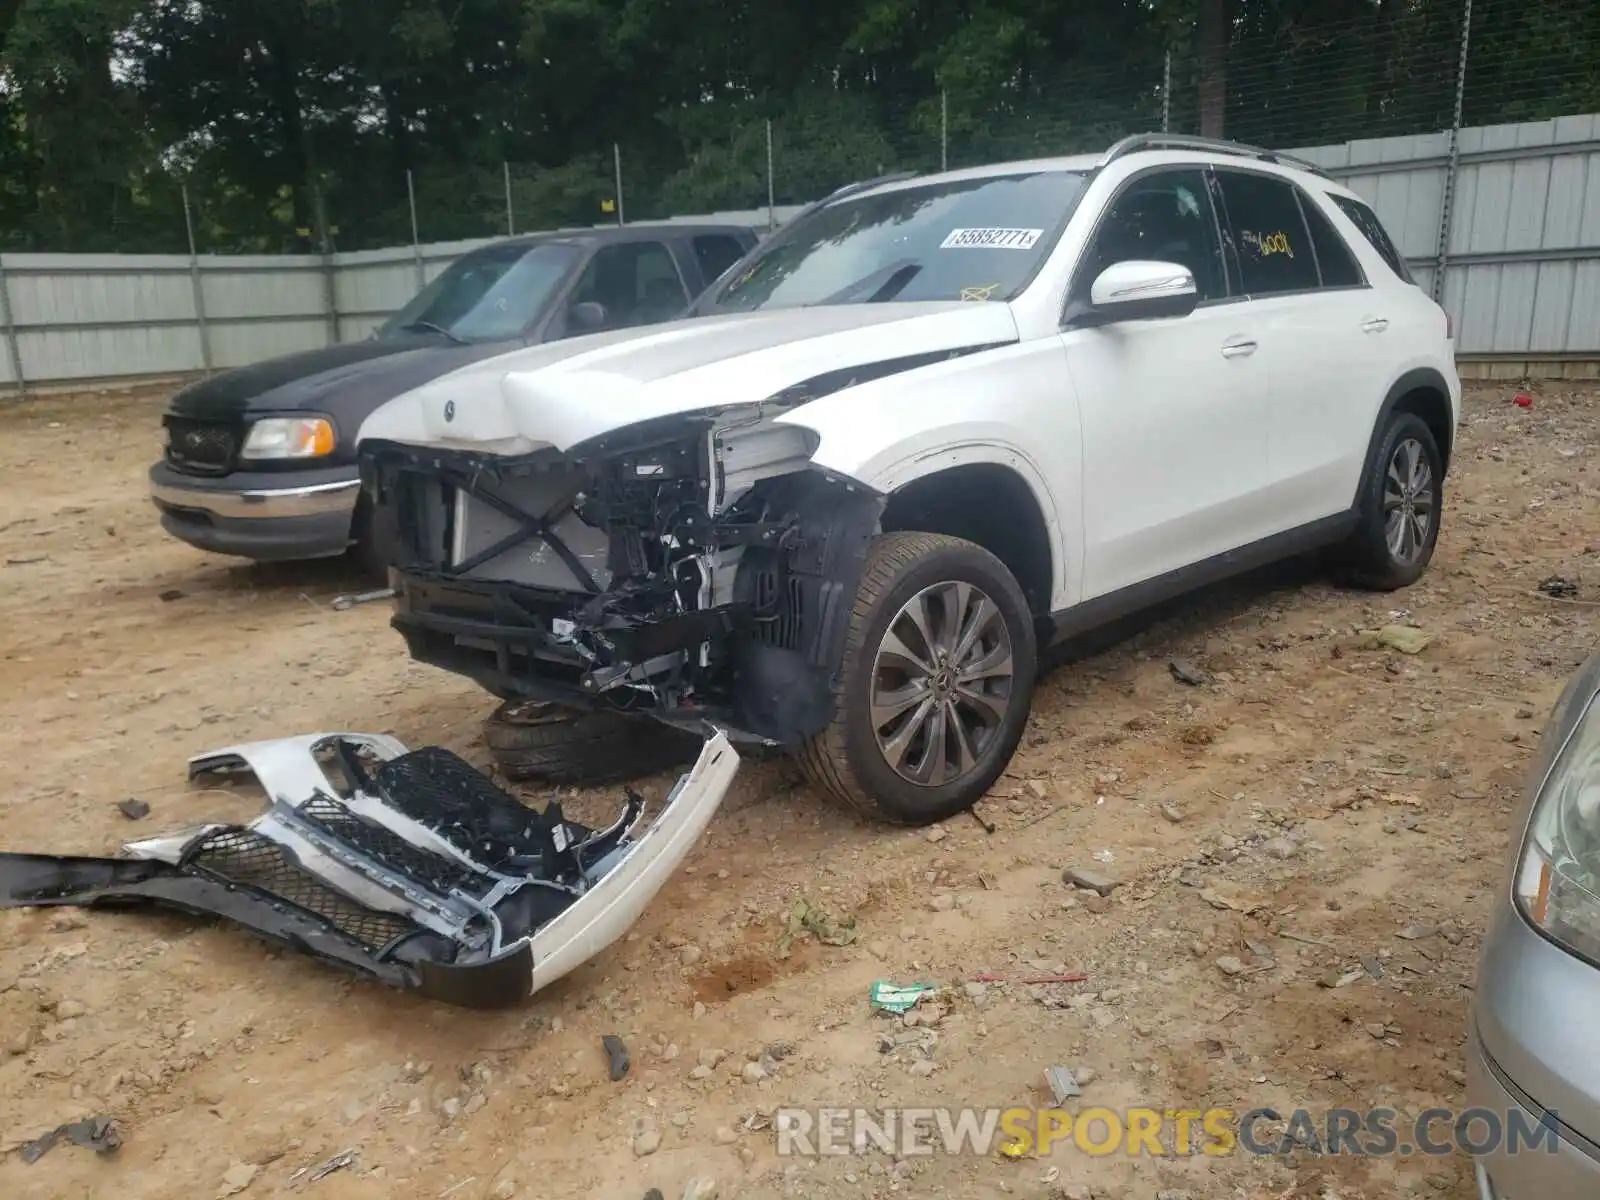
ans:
x=625 y=233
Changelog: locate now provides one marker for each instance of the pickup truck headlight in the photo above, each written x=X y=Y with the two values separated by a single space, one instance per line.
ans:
x=289 y=437
x=1558 y=872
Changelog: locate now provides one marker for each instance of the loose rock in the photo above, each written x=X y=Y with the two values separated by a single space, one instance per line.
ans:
x=236 y=1178
x=646 y=1142
x=1230 y=966
x=1090 y=879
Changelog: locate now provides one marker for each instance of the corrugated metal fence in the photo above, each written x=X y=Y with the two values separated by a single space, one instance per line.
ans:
x=1510 y=215
x=1520 y=233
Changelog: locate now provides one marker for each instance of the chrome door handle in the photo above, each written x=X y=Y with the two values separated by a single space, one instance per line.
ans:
x=1238 y=349
x=1374 y=324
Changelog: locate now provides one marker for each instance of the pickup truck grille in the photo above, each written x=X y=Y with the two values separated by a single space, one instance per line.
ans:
x=201 y=447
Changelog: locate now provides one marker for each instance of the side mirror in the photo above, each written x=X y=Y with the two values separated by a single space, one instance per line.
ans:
x=1138 y=290
x=586 y=317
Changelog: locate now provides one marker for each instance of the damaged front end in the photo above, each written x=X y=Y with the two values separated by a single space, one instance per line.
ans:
x=696 y=568
x=409 y=868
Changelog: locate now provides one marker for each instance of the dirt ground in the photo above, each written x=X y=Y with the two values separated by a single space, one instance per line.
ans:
x=1289 y=817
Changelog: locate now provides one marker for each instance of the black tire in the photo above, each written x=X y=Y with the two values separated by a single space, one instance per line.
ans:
x=533 y=741
x=369 y=544
x=1366 y=559
x=845 y=760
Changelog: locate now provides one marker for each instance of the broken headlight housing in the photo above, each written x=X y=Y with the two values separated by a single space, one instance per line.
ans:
x=1557 y=884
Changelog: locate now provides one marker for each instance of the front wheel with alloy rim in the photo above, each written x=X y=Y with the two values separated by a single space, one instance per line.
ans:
x=1398 y=511
x=936 y=681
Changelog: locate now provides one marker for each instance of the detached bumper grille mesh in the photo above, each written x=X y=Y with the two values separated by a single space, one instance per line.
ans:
x=432 y=871
x=246 y=859
x=462 y=805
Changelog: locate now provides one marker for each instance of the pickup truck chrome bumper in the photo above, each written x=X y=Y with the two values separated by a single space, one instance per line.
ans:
x=312 y=500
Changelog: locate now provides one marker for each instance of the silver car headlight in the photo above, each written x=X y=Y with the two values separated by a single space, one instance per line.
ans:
x=1557 y=883
x=289 y=437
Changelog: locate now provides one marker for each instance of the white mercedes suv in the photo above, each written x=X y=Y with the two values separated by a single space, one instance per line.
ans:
x=930 y=426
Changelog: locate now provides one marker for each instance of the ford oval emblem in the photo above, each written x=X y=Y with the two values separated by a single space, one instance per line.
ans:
x=449 y=410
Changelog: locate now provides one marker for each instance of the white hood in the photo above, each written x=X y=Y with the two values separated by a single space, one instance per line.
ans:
x=567 y=392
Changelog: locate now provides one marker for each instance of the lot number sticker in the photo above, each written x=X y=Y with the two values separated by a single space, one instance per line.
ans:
x=991 y=239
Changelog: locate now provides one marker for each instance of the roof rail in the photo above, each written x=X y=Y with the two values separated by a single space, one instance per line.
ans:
x=1135 y=143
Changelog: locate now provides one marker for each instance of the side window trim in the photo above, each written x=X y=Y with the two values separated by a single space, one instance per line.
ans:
x=1305 y=223
x=1232 y=272
x=1078 y=283
x=680 y=249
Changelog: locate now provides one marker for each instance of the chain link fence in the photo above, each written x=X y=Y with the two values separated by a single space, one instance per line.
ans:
x=1423 y=71
x=1407 y=69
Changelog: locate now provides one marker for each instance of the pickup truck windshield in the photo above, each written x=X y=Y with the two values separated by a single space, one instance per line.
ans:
x=968 y=239
x=489 y=295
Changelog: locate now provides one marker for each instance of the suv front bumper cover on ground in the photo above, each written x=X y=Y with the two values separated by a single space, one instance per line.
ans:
x=410 y=868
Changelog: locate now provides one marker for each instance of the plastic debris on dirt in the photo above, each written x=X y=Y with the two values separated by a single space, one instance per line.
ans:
x=896 y=998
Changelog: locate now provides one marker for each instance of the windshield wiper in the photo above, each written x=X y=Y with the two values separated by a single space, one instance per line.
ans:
x=433 y=328
x=886 y=283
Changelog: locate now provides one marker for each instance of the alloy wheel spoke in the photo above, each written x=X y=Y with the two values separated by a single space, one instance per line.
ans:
x=994 y=665
x=965 y=758
x=917 y=613
x=897 y=747
x=991 y=708
x=887 y=704
x=1394 y=532
x=930 y=767
x=983 y=612
x=895 y=653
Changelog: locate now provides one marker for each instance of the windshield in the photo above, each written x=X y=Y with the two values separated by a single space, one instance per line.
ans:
x=490 y=295
x=970 y=239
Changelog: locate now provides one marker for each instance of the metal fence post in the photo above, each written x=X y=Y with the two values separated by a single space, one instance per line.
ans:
x=330 y=292
x=1166 y=93
x=1453 y=165
x=944 y=130
x=12 y=348
x=511 y=222
x=416 y=242
x=616 y=161
x=772 y=191
x=196 y=284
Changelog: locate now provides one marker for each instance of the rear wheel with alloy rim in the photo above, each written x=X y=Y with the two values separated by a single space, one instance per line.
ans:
x=1401 y=501
x=936 y=682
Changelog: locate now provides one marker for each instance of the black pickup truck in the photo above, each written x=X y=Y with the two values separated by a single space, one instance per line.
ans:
x=261 y=461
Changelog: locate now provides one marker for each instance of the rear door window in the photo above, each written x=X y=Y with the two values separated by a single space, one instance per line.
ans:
x=1269 y=234
x=1364 y=219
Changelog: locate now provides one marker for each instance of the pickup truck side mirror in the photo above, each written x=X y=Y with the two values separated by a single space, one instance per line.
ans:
x=1136 y=290
x=588 y=316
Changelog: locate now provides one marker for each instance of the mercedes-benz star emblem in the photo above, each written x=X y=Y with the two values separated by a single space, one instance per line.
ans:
x=449 y=410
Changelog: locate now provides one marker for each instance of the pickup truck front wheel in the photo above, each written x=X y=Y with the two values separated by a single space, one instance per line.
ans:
x=937 y=679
